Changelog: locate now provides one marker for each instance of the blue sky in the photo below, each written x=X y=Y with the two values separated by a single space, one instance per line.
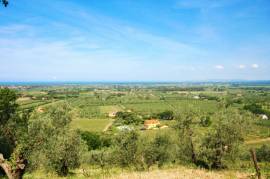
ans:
x=135 y=40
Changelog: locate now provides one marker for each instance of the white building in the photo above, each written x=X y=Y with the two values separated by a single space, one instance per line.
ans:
x=264 y=117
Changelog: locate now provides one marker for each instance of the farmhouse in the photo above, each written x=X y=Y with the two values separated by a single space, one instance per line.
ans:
x=196 y=97
x=264 y=117
x=40 y=109
x=151 y=124
x=112 y=114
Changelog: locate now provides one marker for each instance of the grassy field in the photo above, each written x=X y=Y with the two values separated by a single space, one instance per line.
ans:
x=168 y=173
x=92 y=125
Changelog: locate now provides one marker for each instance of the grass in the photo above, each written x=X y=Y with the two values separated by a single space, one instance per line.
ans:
x=117 y=173
x=179 y=105
x=110 y=108
x=92 y=125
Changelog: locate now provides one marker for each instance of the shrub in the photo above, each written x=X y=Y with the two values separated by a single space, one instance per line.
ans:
x=128 y=118
x=205 y=121
x=126 y=144
x=254 y=108
x=263 y=153
x=166 y=115
x=94 y=140
x=157 y=151
x=224 y=140
x=64 y=153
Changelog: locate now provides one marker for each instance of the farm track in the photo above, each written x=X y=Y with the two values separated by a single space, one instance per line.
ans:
x=256 y=141
x=108 y=126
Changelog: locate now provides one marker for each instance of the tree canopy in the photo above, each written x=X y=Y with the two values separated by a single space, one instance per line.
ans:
x=5 y=3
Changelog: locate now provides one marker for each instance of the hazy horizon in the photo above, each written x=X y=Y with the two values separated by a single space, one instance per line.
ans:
x=125 y=40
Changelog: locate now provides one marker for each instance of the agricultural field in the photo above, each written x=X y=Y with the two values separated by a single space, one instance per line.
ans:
x=101 y=113
x=92 y=105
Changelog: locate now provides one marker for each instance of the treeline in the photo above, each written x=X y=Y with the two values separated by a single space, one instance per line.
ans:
x=175 y=88
x=257 y=109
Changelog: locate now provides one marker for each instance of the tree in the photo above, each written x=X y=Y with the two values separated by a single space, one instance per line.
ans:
x=26 y=139
x=263 y=153
x=128 y=118
x=157 y=151
x=166 y=115
x=95 y=141
x=126 y=144
x=185 y=133
x=5 y=2
x=54 y=145
x=12 y=130
x=224 y=140
x=254 y=108
x=64 y=153
x=8 y=105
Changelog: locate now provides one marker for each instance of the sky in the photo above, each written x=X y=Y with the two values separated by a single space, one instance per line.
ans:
x=135 y=40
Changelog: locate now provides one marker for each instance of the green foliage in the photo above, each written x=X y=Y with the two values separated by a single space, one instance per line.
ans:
x=224 y=140
x=8 y=105
x=205 y=121
x=157 y=151
x=186 y=136
x=53 y=144
x=13 y=126
x=95 y=141
x=254 y=108
x=263 y=153
x=63 y=152
x=103 y=158
x=166 y=115
x=128 y=118
x=126 y=144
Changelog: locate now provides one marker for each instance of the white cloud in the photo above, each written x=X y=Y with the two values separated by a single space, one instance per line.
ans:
x=255 y=66
x=242 y=66
x=220 y=67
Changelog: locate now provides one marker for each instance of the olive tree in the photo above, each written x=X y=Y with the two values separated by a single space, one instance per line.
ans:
x=223 y=141
x=43 y=139
x=58 y=146
x=126 y=144
x=157 y=151
x=13 y=127
x=185 y=132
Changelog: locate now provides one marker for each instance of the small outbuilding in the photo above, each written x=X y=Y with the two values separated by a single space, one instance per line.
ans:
x=264 y=117
x=40 y=110
x=151 y=123
x=196 y=97
x=112 y=114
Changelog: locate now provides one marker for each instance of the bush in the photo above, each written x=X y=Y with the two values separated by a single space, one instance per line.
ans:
x=126 y=144
x=254 y=108
x=205 y=121
x=102 y=158
x=263 y=153
x=127 y=118
x=95 y=141
x=157 y=151
x=223 y=142
x=64 y=153
x=166 y=115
